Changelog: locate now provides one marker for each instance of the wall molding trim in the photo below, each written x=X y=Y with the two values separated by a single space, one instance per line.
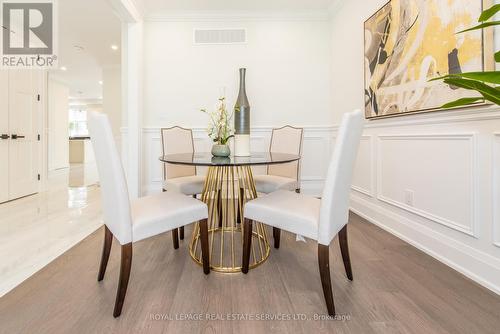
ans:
x=471 y=138
x=496 y=189
x=370 y=192
x=441 y=117
x=473 y=263
x=362 y=191
x=224 y=16
x=128 y=10
x=257 y=129
x=317 y=146
x=335 y=7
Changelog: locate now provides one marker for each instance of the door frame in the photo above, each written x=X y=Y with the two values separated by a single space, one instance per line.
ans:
x=131 y=16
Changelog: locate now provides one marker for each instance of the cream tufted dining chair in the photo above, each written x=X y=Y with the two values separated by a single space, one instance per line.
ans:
x=132 y=221
x=285 y=176
x=318 y=219
x=181 y=179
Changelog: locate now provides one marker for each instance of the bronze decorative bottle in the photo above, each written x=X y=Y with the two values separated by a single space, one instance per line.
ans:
x=242 y=120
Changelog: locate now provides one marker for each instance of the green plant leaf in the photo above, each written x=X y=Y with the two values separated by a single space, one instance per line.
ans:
x=491 y=76
x=489 y=93
x=481 y=26
x=489 y=13
x=462 y=102
x=497 y=57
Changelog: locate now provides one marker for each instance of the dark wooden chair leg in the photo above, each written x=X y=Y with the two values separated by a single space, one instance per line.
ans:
x=181 y=232
x=324 y=271
x=204 y=246
x=276 y=236
x=344 y=249
x=219 y=207
x=175 y=238
x=106 y=250
x=247 y=245
x=241 y=200
x=126 y=265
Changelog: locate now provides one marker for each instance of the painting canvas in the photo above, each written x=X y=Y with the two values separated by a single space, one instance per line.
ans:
x=409 y=42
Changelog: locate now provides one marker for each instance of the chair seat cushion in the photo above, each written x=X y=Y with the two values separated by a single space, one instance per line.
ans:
x=269 y=183
x=286 y=210
x=152 y=215
x=187 y=185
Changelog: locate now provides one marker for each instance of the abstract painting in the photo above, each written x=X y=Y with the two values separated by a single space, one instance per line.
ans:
x=409 y=42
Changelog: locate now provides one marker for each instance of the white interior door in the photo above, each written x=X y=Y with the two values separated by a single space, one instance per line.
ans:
x=4 y=130
x=24 y=123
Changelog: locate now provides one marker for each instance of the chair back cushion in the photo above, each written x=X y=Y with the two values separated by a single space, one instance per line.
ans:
x=114 y=191
x=334 y=212
x=286 y=140
x=177 y=140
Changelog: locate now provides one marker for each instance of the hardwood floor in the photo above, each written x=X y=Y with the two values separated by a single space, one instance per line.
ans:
x=396 y=289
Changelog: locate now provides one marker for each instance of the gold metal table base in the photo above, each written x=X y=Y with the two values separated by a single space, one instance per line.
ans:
x=226 y=190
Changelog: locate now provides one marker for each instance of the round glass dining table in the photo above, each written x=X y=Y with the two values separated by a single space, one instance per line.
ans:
x=228 y=185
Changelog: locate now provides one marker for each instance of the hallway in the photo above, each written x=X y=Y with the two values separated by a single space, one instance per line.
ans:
x=37 y=229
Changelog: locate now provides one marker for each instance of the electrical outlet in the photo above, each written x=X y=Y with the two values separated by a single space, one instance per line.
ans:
x=409 y=197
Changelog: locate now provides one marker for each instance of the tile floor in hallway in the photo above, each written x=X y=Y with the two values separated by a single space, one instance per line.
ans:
x=37 y=229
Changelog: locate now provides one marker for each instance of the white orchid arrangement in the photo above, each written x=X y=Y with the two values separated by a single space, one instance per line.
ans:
x=219 y=129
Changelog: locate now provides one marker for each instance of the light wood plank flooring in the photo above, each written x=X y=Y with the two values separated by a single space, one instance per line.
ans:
x=396 y=289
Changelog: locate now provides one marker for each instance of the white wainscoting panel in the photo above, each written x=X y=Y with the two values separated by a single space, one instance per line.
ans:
x=362 y=179
x=316 y=155
x=436 y=185
x=496 y=189
x=433 y=176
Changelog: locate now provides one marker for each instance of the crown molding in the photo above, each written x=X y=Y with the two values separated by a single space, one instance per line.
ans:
x=223 y=16
x=130 y=11
x=335 y=7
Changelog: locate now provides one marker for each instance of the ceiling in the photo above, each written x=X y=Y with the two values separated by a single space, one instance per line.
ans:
x=87 y=29
x=155 y=6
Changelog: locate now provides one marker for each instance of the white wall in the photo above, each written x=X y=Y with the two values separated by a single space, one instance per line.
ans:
x=288 y=82
x=58 y=110
x=288 y=62
x=426 y=178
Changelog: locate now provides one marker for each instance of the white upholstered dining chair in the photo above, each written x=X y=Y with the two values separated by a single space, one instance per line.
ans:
x=131 y=221
x=181 y=179
x=287 y=139
x=318 y=219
